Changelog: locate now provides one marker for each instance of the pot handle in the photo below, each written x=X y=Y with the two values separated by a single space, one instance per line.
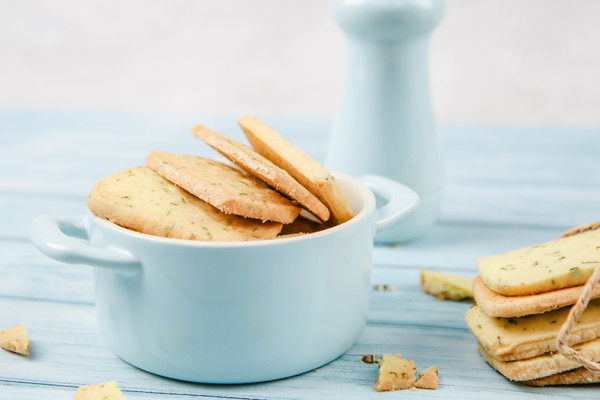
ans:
x=65 y=239
x=400 y=200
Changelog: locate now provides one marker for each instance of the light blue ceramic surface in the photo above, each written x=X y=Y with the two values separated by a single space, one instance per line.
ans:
x=385 y=123
x=231 y=312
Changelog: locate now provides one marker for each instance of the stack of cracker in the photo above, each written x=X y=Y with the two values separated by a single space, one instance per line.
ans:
x=523 y=302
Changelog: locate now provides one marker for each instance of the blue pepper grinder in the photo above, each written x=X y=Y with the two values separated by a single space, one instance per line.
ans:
x=384 y=123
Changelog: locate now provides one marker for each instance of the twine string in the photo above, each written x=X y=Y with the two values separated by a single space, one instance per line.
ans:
x=580 y=229
x=578 y=309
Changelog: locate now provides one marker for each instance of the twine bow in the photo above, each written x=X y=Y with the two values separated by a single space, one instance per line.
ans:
x=578 y=309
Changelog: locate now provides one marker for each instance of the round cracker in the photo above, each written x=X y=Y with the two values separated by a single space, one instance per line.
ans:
x=141 y=200
x=263 y=169
x=227 y=188
x=316 y=178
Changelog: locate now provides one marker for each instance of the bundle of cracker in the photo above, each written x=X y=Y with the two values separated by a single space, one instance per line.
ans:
x=535 y=317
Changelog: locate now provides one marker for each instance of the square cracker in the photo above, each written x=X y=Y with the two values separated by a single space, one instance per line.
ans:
x=228 y=189
x=446 y=287
x=553 y=265
x=141 y=200
x=542 y=366
x=263 y=169
x=509 y=339
x=300 y=165
x=573 y=377
x=498 y=305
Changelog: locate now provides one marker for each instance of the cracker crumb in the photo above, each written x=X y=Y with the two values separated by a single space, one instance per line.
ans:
x=99 y=391
x=446 y=287
x=371 y=359
x=429 y=379
x=384 y=288
x=15 y=340
x=395 y=373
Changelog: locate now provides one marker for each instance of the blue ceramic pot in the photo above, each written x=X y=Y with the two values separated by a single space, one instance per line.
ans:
x=231 y=312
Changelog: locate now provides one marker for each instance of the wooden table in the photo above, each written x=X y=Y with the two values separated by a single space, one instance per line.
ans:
x=506 y=187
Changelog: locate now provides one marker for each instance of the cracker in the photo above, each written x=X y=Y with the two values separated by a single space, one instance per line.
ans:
x=141 y=200
x=302 y=225
x=509 y=339
x=99 y=391
x=446 y=287
x=429 y=379
x=553 y=265
x=290 y=235
x=15 y=340
x=498 y=305
x=226 y=188
x=263 y=169
x=395 y=373
x=541 y=366
x=573 y=377
x=267 y=142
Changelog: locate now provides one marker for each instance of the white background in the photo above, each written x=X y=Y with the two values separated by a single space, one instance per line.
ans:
x=492 y=61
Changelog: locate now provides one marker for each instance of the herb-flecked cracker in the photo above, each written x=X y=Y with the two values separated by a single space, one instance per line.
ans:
x=263 y=169
x=557 y=264
x=510 y=339
x=270 y=144
x=141 y=200
x=498 y=305
x=226 y=188
x=574 y=377
x=445 y=286
x=302 y=225
x=544 y=365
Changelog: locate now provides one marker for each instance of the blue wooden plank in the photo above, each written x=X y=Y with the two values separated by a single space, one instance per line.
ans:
x=66 y=342
x=460 y=245
x=59 y=141
x=522 y=155
x=26 y=273
x=19 y=209
x=528 y=205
